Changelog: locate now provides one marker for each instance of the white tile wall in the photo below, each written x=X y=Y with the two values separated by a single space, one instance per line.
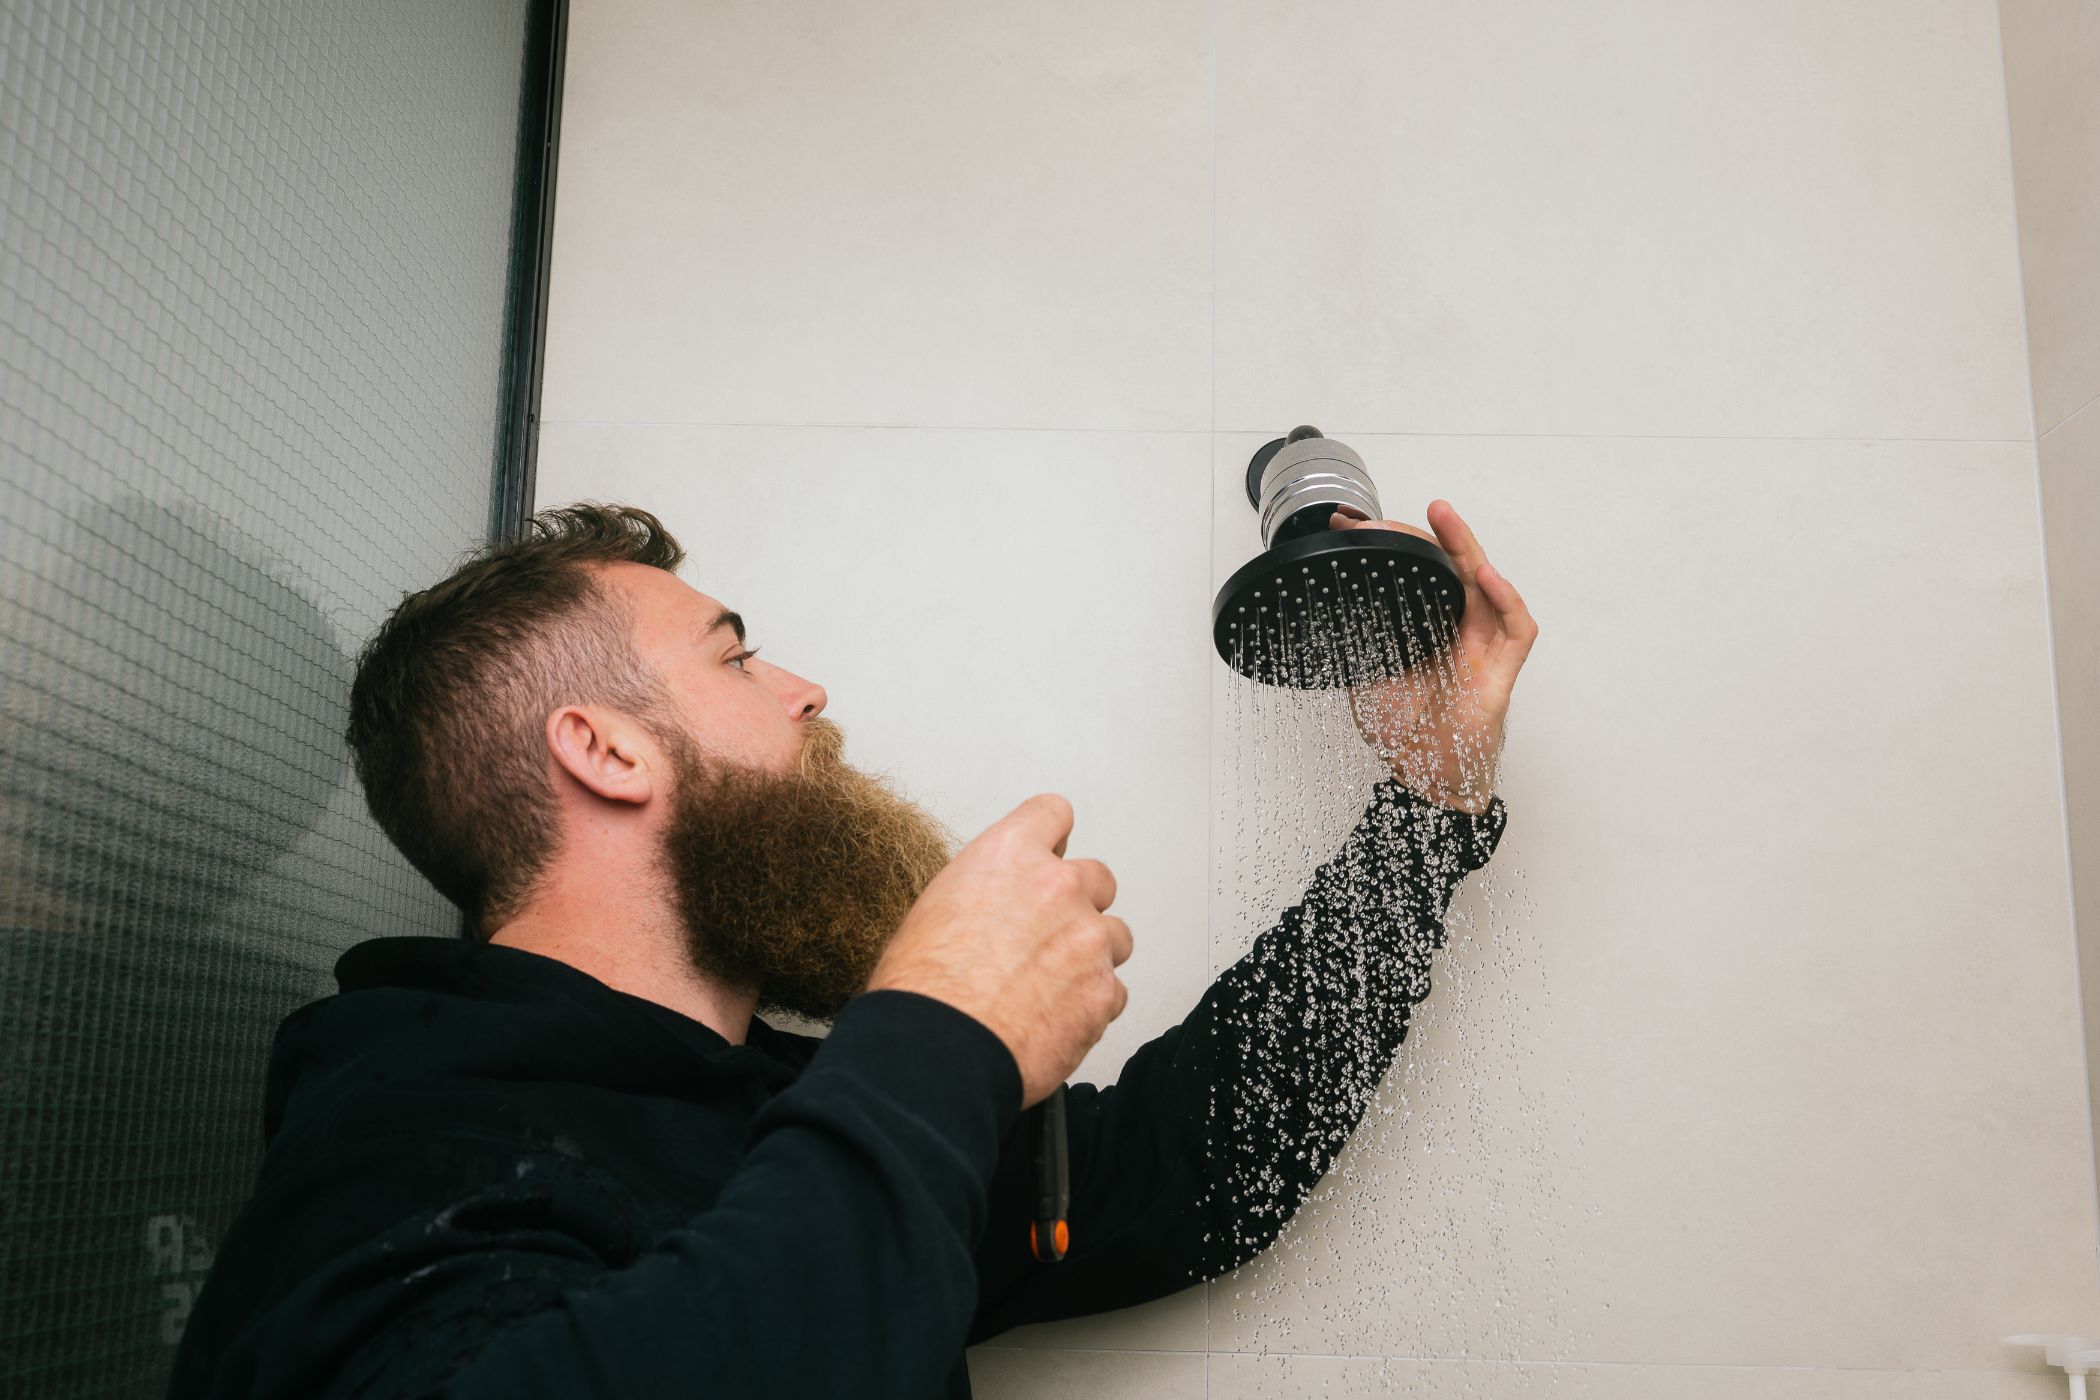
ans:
x=1617 y=217
x=1757 y=1070
x=1796 y=1000
x=992 y=215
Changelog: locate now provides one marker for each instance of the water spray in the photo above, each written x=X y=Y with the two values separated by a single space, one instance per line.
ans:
x=1319 y=608
x=1348 y=742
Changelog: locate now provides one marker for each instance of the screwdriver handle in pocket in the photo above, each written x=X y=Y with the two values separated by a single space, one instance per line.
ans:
x=1049 y=1235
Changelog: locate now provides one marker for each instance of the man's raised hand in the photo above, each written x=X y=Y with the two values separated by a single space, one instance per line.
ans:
x=1442 y=730
x=1017 y=936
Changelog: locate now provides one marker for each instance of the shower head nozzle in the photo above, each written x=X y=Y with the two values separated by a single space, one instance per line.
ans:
x=1321 y=608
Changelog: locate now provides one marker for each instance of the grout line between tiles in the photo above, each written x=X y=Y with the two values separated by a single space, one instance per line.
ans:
x=1342 y=431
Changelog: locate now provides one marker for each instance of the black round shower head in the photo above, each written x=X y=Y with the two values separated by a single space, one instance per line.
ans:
x=1320 y=607
x=1339 y=608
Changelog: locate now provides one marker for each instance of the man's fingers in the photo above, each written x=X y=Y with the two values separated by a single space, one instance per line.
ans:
x=1120 y=942
x=1099 y=880
x=1043 y=820
x=1519 y=629
x=1511 y=633
x=1456 y=537
x=1340 y=521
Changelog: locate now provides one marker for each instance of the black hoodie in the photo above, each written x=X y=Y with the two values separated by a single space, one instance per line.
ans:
x=490 y=1175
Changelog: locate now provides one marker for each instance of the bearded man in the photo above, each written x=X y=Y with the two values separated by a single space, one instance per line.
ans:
x=565 y=1157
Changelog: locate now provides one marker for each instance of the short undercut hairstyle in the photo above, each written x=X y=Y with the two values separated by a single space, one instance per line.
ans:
x=448 y=712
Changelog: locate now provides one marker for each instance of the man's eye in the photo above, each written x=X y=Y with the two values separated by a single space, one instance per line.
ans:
x=741 y=657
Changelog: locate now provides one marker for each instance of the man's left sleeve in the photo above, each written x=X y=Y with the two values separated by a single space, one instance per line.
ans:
x=1215 y=1132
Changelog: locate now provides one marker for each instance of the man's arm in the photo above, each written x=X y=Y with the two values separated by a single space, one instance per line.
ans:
x=1217 y=1130
x=837 y=1260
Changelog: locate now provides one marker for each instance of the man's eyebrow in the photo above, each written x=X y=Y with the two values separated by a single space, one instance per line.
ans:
x=733 y=621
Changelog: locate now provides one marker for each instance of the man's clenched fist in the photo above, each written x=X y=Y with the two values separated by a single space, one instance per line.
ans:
x=1015 y=935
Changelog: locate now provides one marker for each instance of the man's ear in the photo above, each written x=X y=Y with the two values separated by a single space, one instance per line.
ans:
x=604 y=751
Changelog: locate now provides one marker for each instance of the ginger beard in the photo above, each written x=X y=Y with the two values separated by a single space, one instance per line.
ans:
x=791 y=884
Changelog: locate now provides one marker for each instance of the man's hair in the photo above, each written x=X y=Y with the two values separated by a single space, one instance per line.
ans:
x=449 y=710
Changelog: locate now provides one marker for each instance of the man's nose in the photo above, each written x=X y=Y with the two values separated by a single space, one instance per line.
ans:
x=804 y=699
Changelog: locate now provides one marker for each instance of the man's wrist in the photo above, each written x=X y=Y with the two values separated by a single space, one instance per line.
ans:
x=1467 y=798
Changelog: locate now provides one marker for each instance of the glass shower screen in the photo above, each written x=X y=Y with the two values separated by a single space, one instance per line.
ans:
x=256 y=262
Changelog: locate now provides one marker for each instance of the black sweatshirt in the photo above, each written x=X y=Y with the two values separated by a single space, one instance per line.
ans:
x=490 y=1175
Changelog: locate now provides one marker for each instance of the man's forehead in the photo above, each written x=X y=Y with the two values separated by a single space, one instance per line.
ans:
x=665 y=602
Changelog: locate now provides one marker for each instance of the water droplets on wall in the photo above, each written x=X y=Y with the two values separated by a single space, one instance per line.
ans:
x=1439 y=1230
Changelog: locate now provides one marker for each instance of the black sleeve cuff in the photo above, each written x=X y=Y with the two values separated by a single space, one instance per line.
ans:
x=1468 y=839
x=942 y=1065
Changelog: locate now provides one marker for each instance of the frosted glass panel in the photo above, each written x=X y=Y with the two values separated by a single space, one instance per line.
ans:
x=254 y=258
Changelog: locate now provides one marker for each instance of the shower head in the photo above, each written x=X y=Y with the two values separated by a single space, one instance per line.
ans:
x=1321 y=608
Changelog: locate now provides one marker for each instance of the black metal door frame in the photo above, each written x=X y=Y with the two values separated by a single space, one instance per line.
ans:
x=532 y=243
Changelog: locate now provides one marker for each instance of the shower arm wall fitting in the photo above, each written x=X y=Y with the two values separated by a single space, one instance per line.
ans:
x=2077 y=1356
x=1296 y=484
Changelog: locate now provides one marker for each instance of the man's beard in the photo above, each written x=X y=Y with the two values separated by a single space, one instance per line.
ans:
x=792 y=884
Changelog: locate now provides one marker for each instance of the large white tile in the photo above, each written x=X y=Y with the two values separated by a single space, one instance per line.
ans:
x=2052 y=91
x=1629 y=216
x=993 y=615
x=1769 y=1048
x=1000 y=1374
x=2070 y=484
x=1286 y=1377
x=981 y=215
